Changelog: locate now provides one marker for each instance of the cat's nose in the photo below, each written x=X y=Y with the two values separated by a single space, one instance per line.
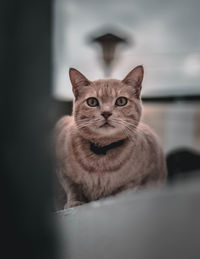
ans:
x=106 y=114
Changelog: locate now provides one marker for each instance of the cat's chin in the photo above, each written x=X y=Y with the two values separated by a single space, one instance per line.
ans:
x=107 y=135
x=106 y=125
x=103 y=135
x=107 y=131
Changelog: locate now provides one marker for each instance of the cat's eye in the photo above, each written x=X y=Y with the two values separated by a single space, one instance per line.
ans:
x=92 y=102
x=121 y=101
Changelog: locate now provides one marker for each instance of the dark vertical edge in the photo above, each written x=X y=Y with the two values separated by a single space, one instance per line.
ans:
x=26 y=167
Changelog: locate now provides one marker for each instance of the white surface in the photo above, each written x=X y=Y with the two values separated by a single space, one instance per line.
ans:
x=147 y=225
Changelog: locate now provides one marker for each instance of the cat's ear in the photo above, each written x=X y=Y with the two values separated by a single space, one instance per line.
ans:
x=78 y=81
x=134 y=79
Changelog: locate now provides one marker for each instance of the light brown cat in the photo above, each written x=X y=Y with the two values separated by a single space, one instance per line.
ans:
x=103 y=148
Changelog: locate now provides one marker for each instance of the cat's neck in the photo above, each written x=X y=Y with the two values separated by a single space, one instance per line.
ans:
x=102 y=141
x=102 y=150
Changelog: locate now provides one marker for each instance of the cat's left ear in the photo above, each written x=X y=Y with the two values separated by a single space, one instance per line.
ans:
x=134 y=79
x=78 y=80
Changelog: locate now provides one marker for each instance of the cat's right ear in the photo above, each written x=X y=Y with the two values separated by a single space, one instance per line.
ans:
x=134 y=79
x=78 y=81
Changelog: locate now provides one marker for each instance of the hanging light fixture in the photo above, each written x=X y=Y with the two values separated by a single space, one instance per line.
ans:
x=108 y=43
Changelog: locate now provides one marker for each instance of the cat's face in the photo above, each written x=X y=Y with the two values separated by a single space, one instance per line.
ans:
x=107 y=108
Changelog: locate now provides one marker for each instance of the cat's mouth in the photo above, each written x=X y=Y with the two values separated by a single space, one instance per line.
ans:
x=106 y=125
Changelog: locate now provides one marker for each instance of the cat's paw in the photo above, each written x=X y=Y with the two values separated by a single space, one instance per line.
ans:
x=71 y=204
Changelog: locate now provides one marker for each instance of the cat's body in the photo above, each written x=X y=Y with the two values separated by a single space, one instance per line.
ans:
x=103 y=148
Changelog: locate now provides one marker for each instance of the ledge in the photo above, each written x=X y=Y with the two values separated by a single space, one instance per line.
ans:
x=160 y=223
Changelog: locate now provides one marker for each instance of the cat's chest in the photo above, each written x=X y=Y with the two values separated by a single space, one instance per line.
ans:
x=100 y=175
x=101 y=178
x=98 y=184
x=83 y=157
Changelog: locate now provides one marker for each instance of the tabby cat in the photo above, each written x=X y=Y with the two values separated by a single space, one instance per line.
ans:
x=103 y=148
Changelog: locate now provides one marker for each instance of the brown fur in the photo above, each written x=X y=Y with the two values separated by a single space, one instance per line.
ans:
x=138 y=162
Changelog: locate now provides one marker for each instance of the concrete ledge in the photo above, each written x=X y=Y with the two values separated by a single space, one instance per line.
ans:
x=160 y=223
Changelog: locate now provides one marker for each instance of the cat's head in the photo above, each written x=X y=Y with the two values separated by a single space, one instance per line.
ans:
x=107 y=110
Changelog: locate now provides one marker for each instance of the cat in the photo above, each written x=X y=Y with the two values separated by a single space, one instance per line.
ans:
x=103 y=148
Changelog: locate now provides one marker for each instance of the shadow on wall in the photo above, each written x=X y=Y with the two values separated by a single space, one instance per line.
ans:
x=182 y=164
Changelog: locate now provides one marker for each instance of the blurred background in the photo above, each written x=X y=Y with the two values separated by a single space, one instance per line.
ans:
x=109 y=38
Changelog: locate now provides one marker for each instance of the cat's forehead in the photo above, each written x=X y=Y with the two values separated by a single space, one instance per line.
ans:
x=108 y=87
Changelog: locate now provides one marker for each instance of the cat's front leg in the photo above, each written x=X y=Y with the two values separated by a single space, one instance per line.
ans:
x=130 y=186
x=75 y=196
x=71 y=204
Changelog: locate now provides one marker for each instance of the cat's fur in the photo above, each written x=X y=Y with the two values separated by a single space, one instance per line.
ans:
x=139 y=161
